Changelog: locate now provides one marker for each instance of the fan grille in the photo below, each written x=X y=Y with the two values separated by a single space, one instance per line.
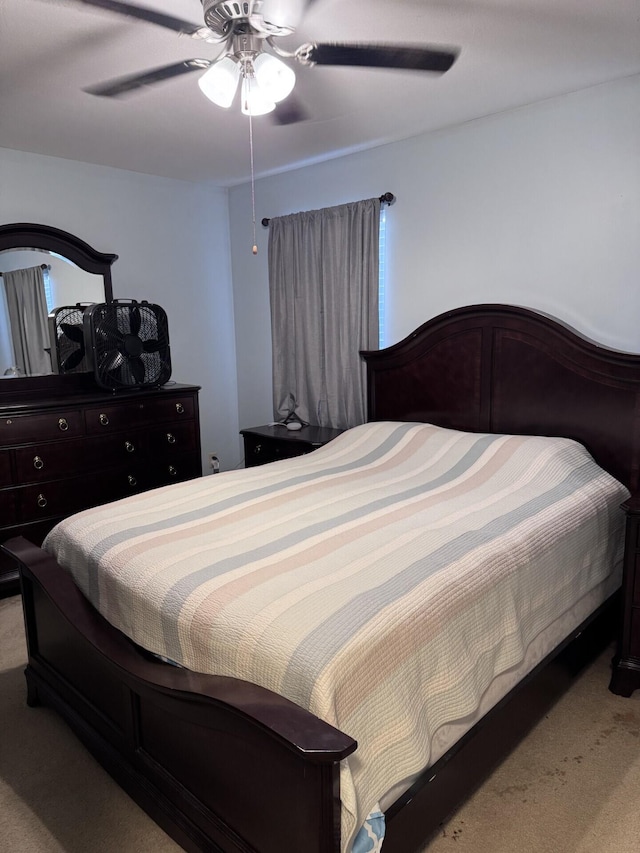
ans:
x=67 y=340
x=130 y=345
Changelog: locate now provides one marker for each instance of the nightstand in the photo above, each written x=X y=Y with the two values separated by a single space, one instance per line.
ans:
x=269 y=443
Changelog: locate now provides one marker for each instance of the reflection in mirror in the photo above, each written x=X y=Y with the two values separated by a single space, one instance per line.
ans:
x=65 y=284
x=66 y=255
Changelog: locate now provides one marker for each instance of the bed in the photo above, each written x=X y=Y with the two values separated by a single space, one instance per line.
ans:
x=227 y=764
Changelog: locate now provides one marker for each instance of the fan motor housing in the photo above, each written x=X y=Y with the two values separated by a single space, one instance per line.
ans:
x=221 y=15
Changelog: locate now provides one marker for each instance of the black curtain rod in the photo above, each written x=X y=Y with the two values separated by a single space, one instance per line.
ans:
x=385 y=198
x=42 y=267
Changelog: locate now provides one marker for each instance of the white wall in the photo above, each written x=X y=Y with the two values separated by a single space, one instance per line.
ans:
x=172 y=239
x=538 y=207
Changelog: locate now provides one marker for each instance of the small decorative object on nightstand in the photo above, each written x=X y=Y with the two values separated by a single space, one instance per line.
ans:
x=273 y=441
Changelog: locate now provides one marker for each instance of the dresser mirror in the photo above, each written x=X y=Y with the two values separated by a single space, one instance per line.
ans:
x=79 y=273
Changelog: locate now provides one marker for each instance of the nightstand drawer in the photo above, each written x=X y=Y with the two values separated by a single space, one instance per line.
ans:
x=259 y=451
x=272 y=442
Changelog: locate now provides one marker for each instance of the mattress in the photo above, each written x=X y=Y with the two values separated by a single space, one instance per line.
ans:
x=384 y=582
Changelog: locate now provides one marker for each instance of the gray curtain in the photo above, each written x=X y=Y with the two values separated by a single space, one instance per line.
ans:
x=27 y=306
x=323 y=283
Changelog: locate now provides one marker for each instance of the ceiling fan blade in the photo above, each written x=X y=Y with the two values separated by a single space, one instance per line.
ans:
x=124 y=85
x=382 y=56
x=284 y=13
x=289 y=111
x=141 y=13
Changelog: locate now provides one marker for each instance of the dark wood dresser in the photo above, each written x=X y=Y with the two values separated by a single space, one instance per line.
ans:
x=271 y=442
x=63 y=453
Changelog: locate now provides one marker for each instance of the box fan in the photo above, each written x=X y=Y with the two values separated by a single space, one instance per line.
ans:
x=127 y=343
x=66 y=333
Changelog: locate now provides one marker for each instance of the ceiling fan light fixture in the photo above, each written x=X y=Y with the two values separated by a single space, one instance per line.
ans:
x=274 y=77
x=220 y=82
x=255 y=102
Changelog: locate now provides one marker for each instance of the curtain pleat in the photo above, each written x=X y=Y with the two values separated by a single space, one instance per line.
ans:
x=323 y=282
x=27 y=306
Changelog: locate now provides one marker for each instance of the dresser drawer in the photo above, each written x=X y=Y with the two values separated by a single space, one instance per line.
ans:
x=171 y=409
x=5 y=469
x=175 y=437
x=42 y=462
x=117 y=416
x=7 y=507
x=112 y=417
x=176 y=468
x=124 y=481
x=121 y=448
x=55 y=497
x=18 y=429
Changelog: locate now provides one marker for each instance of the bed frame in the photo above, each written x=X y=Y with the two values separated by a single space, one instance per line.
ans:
x=226 y=766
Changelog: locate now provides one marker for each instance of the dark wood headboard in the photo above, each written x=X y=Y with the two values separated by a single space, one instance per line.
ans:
x=504 y=369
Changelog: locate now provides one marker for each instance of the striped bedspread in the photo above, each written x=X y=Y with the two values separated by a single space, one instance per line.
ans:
x=381 y=581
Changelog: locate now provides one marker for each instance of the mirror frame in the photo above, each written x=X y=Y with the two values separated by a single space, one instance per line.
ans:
x=25 y=235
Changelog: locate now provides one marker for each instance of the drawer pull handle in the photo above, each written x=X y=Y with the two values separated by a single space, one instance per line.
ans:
x=104 y=420
x=172 y=471
x=62 y=424
x=257 y=449
x=132 y=480
x=42 y=501
x=171 y=438
x=38 y=463
x=129 y=447
x=179 y=408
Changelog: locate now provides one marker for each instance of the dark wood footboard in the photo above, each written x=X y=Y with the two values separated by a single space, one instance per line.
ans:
x=225 y=766
x=222 y=765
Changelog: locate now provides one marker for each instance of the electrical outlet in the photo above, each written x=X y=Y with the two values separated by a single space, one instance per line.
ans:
x=214 y=463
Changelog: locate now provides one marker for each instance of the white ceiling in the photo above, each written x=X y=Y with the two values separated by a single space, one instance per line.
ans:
x=513 y=52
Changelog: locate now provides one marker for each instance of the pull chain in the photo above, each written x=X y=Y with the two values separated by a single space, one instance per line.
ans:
x=253 y=189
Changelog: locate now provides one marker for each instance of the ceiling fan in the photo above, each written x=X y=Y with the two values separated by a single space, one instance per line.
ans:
x=247 y=32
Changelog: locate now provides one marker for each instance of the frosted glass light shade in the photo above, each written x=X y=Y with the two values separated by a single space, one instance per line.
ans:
x=254 y=101
x=274 y=77
x=219 y=83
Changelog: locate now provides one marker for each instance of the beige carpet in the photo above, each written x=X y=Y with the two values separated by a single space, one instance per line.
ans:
x=572 y=786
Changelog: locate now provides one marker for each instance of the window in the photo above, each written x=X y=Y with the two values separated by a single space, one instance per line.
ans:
x=48 y=294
